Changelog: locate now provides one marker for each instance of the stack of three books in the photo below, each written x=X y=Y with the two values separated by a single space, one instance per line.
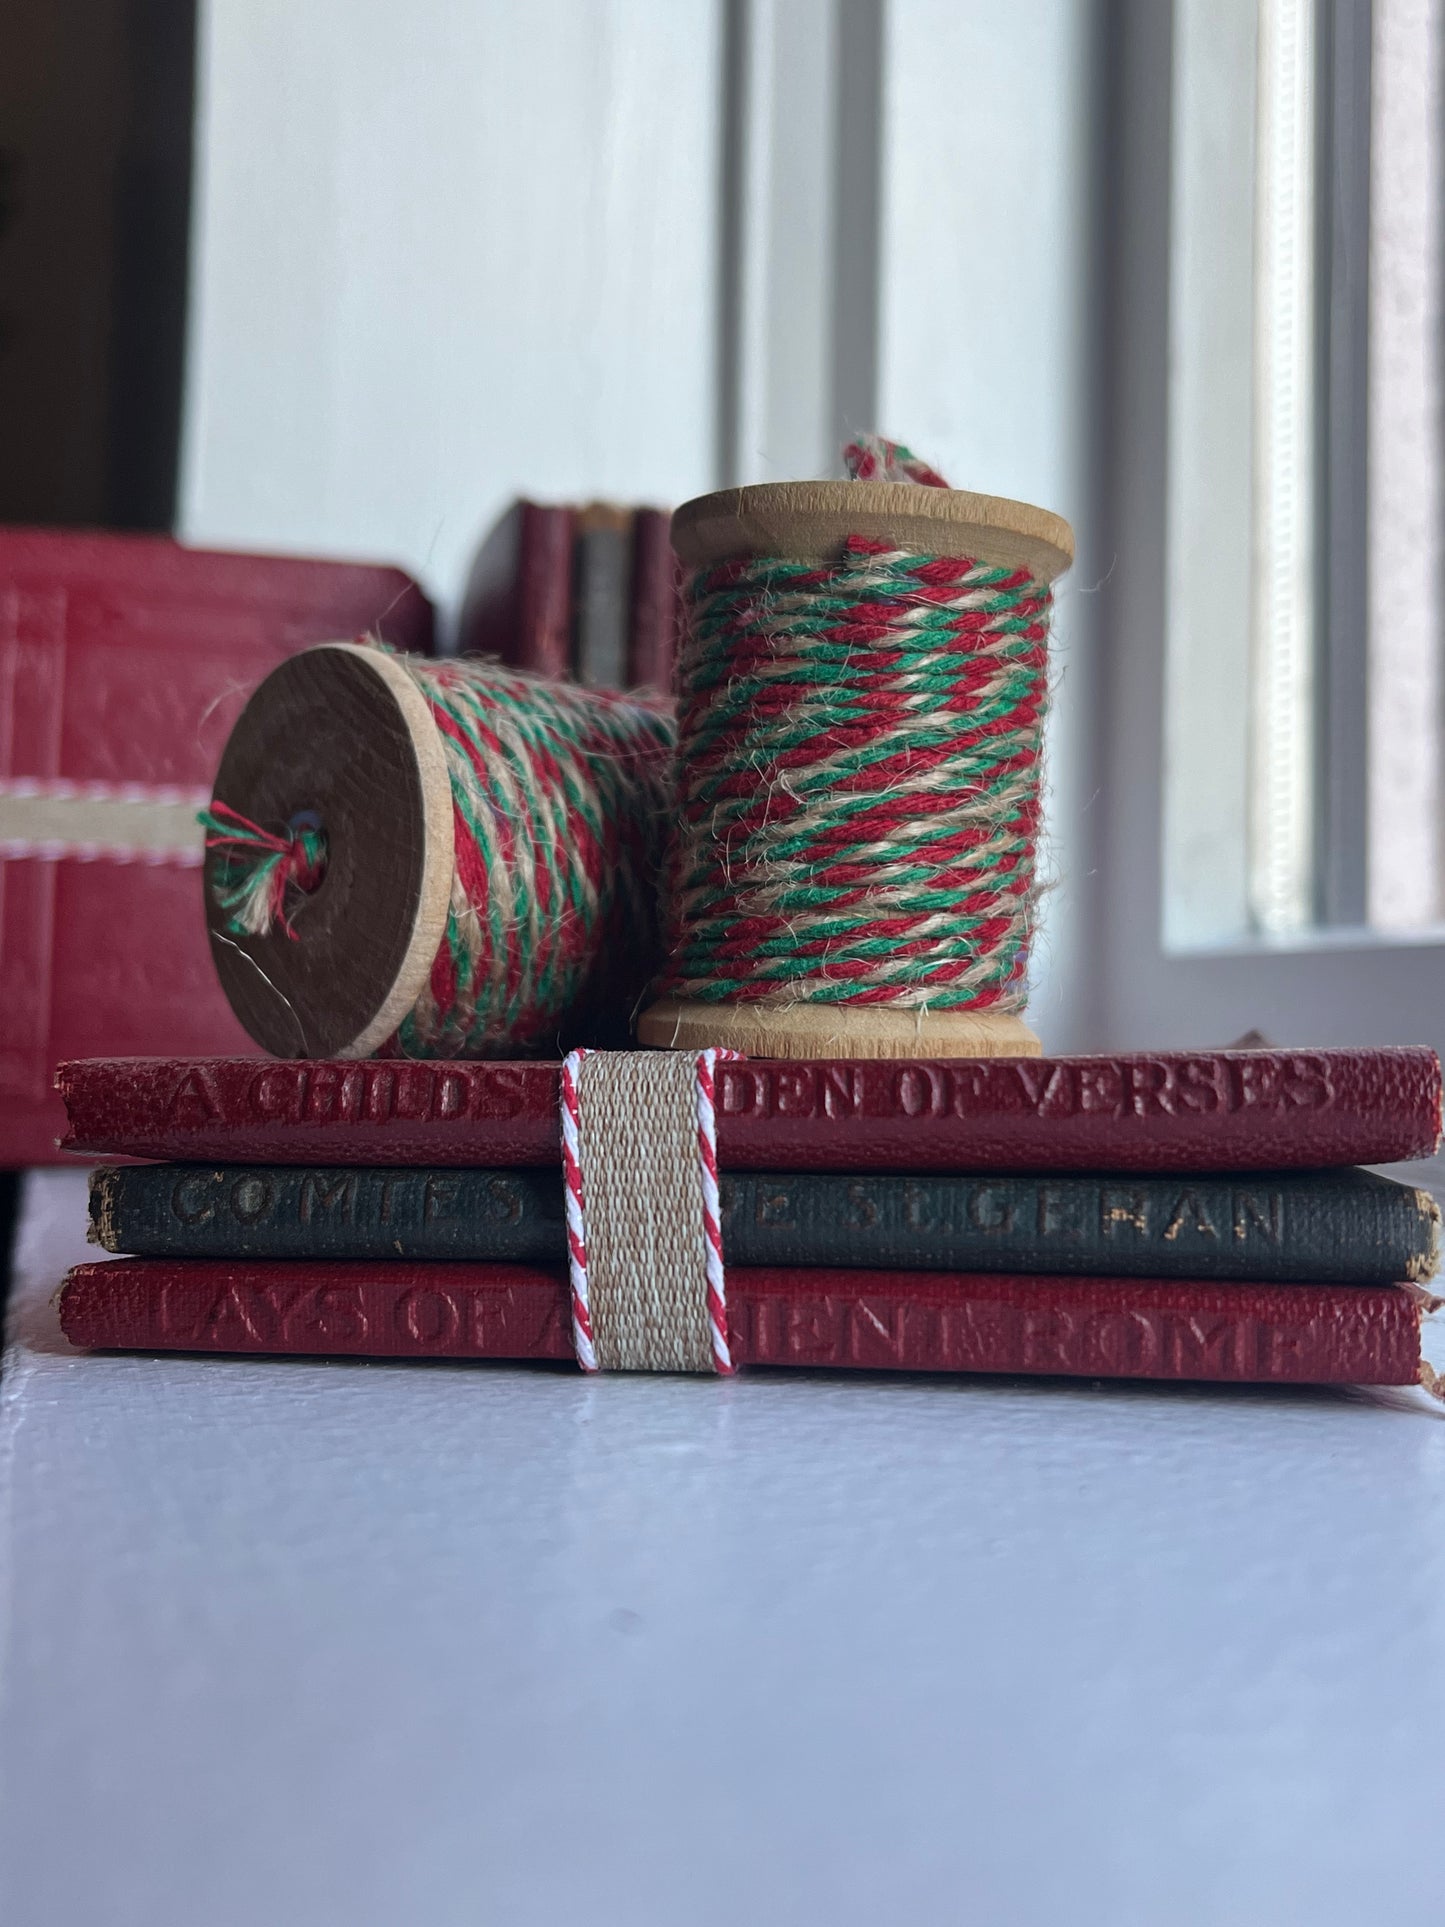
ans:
x=1170 y=1216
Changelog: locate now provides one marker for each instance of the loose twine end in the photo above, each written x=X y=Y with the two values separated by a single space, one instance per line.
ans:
x=263 y=874
x=872 y=458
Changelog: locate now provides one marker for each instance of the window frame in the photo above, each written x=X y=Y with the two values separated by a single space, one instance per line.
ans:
x=1333 y=985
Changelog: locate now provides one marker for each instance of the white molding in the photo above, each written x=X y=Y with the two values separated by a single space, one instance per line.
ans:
x=784 y=124
x=1211 y=408
x=1284 y=629
x=1407 y=499
x=801 y=245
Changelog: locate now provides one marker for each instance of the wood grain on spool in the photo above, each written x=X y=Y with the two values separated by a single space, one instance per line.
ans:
x=834 y=1030
x=810 y=522
x=342 y=730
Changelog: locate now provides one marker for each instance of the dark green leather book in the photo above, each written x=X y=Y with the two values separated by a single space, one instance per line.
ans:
x=1331 y=1227
x=298 y=1211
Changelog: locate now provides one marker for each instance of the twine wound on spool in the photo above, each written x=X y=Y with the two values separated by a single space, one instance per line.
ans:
x=433 y=858
x=858 y=764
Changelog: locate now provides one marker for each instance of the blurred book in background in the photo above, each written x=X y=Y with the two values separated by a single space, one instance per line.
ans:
x=124 y=660
x=589 y=592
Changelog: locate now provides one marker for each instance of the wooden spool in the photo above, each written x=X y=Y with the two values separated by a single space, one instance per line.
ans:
x=810 y=522
x=341 y=730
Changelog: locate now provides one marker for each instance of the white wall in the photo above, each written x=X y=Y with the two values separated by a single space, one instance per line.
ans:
x=446 y=253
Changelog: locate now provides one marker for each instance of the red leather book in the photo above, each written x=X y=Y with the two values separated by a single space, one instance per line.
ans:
x=1161 y=1111
x=652 y=648
x=518 y=602
x=124 y=660
x=861 y=1320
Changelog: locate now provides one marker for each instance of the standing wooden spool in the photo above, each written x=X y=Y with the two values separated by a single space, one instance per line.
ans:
x=811 y=522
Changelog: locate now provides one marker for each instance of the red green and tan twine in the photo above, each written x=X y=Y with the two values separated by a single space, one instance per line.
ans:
x=560 y=798
x=858 y=753
x=266 y=873
x=872 y=459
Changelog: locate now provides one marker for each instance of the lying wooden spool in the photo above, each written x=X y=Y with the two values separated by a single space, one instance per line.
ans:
x=340 y=730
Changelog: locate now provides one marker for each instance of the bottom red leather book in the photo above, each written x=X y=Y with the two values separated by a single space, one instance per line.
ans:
x=860 y=1320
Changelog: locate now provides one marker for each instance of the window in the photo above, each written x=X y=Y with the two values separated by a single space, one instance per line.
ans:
x=1268 y=830
x=1302 y=706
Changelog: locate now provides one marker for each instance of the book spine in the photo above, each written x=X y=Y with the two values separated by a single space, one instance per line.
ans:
x=1075 y=1327
x=374 y=1111
x=487 y=619
x=652 y=645
x=600 y=602
x=543 y=640
x=1345 y=1228
x=391 y=1309
x=294 y=1211
x=1232 y=1111
x=1160 y=1111
x=1340 y=1228
x=850 y=1320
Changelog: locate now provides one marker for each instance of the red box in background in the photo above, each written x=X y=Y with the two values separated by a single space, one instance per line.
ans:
x=124 y=660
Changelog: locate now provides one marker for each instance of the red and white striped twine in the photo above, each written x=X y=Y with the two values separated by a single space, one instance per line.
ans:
x=576 y=1218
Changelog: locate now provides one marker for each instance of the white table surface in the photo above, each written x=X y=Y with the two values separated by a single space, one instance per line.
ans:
x=290 y=1642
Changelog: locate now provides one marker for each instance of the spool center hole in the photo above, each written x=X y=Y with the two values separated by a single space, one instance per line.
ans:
x=307 y=855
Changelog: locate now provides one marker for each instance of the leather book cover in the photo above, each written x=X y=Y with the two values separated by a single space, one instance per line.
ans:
x=1185 y=1111
x=1335 y=1227
x=656 y=603
x=303 y=1211
x=518 y=600
x=124 y=661
x=842 y=1319
x=1345 y=1227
